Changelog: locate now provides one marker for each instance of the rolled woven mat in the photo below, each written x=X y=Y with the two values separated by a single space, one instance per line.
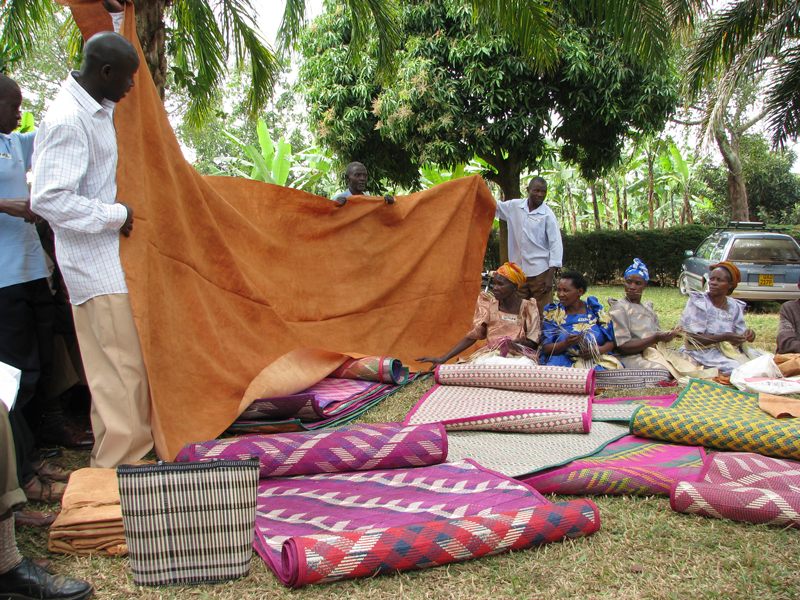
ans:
x=742 y=486
x=373 y=368
x=462 y=408
x=344 y=525
x=331 y=557
x=633 y=378
x=716 y=416
x=360 y=447
x=521 y=378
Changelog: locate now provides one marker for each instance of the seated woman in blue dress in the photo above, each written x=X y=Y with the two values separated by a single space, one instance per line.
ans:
x=577 y=333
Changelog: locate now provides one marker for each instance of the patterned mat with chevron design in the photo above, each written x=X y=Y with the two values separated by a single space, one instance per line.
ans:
x=326 y=527
x=742 y=486
x=715 y=416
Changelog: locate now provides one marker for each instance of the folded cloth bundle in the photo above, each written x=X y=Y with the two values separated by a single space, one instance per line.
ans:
x=90 y=520
x=789 y=364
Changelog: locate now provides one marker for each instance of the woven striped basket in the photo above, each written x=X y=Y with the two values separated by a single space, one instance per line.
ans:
x=189 y=522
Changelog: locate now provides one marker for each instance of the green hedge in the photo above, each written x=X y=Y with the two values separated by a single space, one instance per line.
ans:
x=604 y=255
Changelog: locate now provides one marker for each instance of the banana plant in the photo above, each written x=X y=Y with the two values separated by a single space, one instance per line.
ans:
x=271 y=161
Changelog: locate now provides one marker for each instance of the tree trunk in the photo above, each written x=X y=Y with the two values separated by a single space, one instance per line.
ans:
x=151 y=30
x=508 y=178
x=687 y=209
x=617 y=202
x=737 y=192
x=624 y=205
x=594 y=205
x=606 y=206
x=650 y=191
x=573 y=217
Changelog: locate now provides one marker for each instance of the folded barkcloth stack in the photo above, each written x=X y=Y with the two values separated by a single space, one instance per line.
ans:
x=90 y=520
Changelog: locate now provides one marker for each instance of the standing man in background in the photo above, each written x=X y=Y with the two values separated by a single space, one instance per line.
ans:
x=534 y=241
x=75 y=190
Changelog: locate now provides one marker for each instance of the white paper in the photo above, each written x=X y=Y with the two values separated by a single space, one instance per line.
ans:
x=9 y=384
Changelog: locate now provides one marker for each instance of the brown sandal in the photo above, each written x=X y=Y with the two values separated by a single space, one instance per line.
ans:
x=51 y=472
x=39 y=490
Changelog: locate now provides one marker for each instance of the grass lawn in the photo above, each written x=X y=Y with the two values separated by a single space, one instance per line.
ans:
x=643 y=549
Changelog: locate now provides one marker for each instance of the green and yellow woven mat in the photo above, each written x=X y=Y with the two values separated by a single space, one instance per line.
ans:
x=715 y=416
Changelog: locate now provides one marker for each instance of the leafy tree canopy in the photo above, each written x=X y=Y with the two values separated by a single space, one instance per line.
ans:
x=458 y=94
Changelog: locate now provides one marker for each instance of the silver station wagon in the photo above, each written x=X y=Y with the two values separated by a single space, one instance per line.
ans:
x=769 y=262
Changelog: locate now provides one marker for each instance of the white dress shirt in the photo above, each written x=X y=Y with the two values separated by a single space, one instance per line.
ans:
x=75 y=189
x=534 y=240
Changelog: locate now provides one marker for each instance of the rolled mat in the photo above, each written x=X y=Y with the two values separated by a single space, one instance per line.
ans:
x=716 y=416
x=521 y=378
x=462 y=408
x=343 y=525
x=633 y=378
x=331 y=557
x=743 y=487
x=356 y=448
x=373 y=368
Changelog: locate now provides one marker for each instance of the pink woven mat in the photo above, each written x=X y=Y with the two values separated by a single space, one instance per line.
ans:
x=463 y=408
x=743 y=486
x=523 y=378
x=328 y=527
x=628 y=466
x=361 y=447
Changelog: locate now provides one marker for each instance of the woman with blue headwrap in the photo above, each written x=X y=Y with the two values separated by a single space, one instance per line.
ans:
x=641 y=344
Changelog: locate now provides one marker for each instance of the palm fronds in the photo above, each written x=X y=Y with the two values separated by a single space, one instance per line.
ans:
x=528 y=23
x=19 y=22
x=751 y=37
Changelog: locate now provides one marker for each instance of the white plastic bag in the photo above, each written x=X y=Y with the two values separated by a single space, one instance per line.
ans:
x=763 y=375
x=9 y=384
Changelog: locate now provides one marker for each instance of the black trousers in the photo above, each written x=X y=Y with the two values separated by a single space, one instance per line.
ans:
x=27 y=312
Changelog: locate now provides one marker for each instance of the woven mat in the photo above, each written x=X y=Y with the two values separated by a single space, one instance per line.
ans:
x=633 y=378
x=622 y=409
x=519 y=454
x=714 y=416
x=742 y=486
x=463 y=408
x=628 y=466
x=523 y=378
x=323 y=528
x=361 y=447
x=329 y=403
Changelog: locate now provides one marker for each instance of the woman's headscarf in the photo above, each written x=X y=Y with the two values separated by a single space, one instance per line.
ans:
x=513 y=273
x=638 y=268
x=736 y=275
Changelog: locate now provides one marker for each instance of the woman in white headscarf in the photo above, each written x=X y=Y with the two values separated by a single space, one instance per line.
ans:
x=641 y=343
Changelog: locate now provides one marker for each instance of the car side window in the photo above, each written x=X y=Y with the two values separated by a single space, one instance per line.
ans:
x=717 y=250
x=704 y=251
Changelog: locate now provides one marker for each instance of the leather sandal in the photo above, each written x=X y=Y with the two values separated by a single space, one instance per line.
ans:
x=39 y=490
x=51 y=472
x=33 y=518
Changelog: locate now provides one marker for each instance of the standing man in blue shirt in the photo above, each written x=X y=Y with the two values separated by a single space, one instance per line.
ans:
x=27 y=310
x=534 y=241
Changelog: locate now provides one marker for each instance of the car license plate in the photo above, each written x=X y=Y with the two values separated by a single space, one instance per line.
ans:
x=766 y=280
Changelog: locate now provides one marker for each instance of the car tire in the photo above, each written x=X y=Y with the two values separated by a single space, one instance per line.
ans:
x=683 y=285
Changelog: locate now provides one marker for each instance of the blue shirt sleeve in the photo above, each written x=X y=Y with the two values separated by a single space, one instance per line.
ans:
x=26 y=142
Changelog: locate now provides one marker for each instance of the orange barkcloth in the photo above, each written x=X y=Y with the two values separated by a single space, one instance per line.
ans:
x=226 y=275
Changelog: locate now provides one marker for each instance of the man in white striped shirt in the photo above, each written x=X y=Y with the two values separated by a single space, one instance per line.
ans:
x=74 y=189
